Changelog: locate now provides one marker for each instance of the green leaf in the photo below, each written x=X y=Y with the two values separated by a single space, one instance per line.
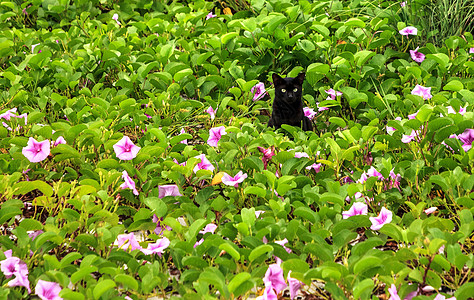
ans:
x=31 y=224
x=255 y=190
x=259 y=251
x=453 y=85
x=102 y=287
x=229 y=248
x=365 y=285
x=441 y=58
x=82 y=273
x=338 y=121
x=181 y=74
x=69 y=258
x=354 y=22
x=238 y=280
x=306 y=214
x=366 y=263
x=361 y=57
x=228 y=36
x=24 y=187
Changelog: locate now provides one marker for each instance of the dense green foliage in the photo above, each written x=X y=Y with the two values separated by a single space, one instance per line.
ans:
x=78 y=73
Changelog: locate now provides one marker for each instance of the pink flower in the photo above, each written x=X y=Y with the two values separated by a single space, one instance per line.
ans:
x=258 y=213
x=403 y=4
x=383 y=218
x=115 y=18
x=372 y=172
x=23 y=116
x=471 y=50
x=394 y=180
x=204 y=164
x=6 y=126
x=274 y=278
x=211 y=112
x=33 y=47
x=183 y=141
x=301 y=154
x=462 y=110
x=233 y=181
x=467 y=137
x=33 y=235
x=126 y=241
x=316 y=167
x=333 y=94
x=408 y=138
x=168 y=190
x=47 y=290
x=215 y=135
x=295 y=285
x=8 y=114
x=422 y=91
x=358 y=208
x=59 y=140
x=210 y=15
x=309 y=112
x=258 y=91
x=417 y=56
x=20 y=280
x=430 y=210
x=409 y=30
x=13 y=266
x=157 y=247
x=412 y=116
x=177 y=162
x=128 y=184
x=159 y=228
x=36 y=151
x=268 y=293
x=441 y=297
x=393 y=293
x=390 y=130
x=321 y=108
x=209 y=228
x=267 y=155
x=125 y=149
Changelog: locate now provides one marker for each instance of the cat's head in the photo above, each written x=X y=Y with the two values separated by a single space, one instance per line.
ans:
x=289 y=88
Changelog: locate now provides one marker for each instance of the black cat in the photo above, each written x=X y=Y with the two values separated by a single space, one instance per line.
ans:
x=287 y=106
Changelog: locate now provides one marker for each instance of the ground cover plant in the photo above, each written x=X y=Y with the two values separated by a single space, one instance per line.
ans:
x=137 y=162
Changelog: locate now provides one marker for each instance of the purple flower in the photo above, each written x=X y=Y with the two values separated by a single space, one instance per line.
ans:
x=125 y=149
x=115 y=18
x=233 y=181
x=47 y=290
x=204 y=164
x=159 y=228
x=471 y=50
x=210 y=15
x=268 y=293
x=267 y=155
x=358 y=208
x=422 y=91
x=309 y=112
x=467 y=137
x=383 y=218
x=36 y=151
x=333 y=94
x=403 y=4
x=157 y=247
x=274 y=278
x=168 y=190
x=295 y=285
x=393 y=293
x=59 y=140
x=128 y=184
x=316 y=167
x=258 y=91
x=33 y=235
x=408 y=138
x=126 y=241
x=417 y=56
x=409 y=30
x=215 y=135
x=211 y=112
x=322 y=108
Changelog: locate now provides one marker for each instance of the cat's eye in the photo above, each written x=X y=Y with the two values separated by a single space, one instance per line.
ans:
x=283 y=90
x=295 y=90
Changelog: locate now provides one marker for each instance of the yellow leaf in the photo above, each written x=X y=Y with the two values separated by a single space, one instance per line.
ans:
x=218 y=178
x=227 y=11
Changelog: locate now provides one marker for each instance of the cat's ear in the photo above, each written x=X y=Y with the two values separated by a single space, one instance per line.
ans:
x=300 y=78
x=277 y=80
